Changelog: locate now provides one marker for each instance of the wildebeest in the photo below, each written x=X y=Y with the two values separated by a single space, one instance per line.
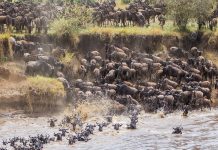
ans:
x=39 y=68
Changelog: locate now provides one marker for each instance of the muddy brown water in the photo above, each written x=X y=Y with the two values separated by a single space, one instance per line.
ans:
x=200 y=132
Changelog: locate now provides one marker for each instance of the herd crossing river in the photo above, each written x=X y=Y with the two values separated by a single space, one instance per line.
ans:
x=153 y=132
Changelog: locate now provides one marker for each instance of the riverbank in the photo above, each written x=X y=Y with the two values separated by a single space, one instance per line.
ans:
x=30 y=94
x=144 y=40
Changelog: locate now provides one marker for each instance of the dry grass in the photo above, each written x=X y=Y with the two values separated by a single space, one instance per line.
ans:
x=154 y=29
x=112 y=31
x=67 y=59
x=47 y=85
x=120 y=4
x=71 y=64
x=6 y=52
x=213 y=56
x=17 y=67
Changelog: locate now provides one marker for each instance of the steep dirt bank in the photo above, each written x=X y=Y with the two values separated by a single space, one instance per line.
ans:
x=31 y=94
x=143 y=43
x=11 y=79
x=149 y=43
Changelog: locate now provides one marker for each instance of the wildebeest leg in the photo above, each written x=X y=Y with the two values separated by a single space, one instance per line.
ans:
x=148 y=21
x=153 y=19
x=1 y=28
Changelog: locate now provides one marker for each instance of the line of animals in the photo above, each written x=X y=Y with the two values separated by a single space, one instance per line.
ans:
x=137 y=13
x=173 y=80
x=38 y=142
x=27 y=15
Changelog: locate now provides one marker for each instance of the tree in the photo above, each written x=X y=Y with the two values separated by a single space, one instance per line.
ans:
x=181 y=11
x=185 y=10
x=202 y=8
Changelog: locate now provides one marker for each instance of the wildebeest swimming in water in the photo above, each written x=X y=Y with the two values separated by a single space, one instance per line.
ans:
x=134 y=120
x=101 y=125
x=76 y=121
x=64 y=131
x=52 y=122
x=90 y=128
x=117 y=126
x=35 y=142
x=72 y=139
x=177 y=130
x=185 y=111
x=58 y=136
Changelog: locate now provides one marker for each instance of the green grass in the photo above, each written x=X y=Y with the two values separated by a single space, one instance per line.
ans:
x=67 y=59
x=153 y=29
x=46 y=85
x=125 y=31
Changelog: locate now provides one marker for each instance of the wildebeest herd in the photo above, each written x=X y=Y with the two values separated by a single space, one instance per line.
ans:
x=27 y=15
x=181 y=79
x=137 y=13
x=140 y=13
x=174 y=80
x=68 y=133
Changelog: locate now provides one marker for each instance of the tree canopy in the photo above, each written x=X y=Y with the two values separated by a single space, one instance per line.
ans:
x=185 y=10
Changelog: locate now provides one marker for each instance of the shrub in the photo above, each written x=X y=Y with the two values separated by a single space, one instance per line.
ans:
x=6 y=52
x=67 y=59
x=74 y=19
x=71 y=65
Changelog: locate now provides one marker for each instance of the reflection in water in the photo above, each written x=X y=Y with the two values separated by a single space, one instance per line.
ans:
x=200 y=132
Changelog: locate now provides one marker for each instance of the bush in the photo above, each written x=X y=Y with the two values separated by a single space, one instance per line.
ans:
x=71 y=65
x=67 y=59
x=6 y=52
x=74 y=19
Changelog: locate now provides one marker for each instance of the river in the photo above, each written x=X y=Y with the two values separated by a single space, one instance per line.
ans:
x=200 y=131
